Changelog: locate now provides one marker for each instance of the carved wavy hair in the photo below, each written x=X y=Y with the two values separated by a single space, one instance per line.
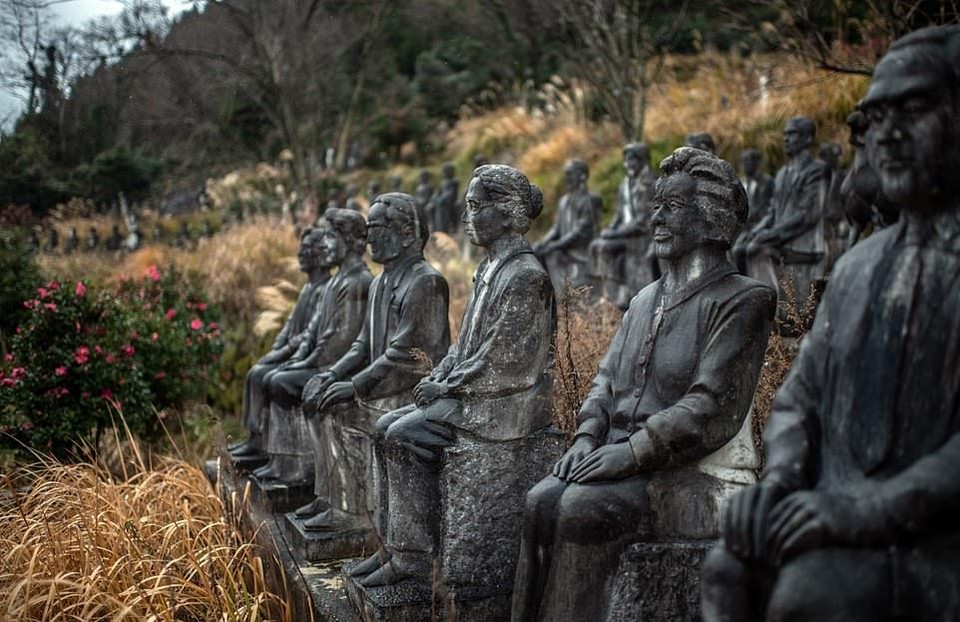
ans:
x=403 y=210
x=718 y=190
x=512 y=193
x=350 y=226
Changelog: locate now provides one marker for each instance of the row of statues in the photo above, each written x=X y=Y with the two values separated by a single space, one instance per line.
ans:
x=116 y=241
x=364 y=394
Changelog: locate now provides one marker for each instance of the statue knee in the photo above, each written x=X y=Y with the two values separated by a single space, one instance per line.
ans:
x=721 y=569
x=578 y=518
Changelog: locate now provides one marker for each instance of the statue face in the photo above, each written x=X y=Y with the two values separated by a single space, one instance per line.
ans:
x=309 y=253
x=484 y=223
x=911 y=141
x=678 y=223
x=573 y=177
x=750 y=163
x=386 y=243
x=331 y=250
x=795 y=138
x=633 y=163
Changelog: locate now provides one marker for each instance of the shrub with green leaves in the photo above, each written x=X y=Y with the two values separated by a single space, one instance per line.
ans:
x=81 y=357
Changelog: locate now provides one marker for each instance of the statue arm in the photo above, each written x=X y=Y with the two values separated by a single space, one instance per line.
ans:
x=441 y=371
x=593 y=420
x=585 y=228
x=721 y=389
x=806 y=214
x=423 y=324
x=356 y=357
x=339 y=329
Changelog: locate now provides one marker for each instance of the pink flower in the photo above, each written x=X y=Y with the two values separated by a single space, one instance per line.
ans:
x=152 y=273
x=134 y=335
x=85 y=394
x=60 y=371
x=154 y=337
x=82 y=355
x=111 y=358
x=51 y=306
x=26 y=427
x=196 y=324
x=8 y=358
x=80 y=290
x=213 y=326
x=42 y=292
x=106 y=394
x=160 y=375
x=171 y=313
x=127 y=349
x=98 y=349
x=31 y=304
x=7 y=382
x=53 y=286
x=18 y=373
x=201 y=306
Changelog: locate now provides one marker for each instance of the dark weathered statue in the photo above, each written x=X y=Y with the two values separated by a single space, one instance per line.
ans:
x=445 y=211
x=855 y=518
x=255 y=392
x=424 y=195
x=116 y=239
x=789 y=244
x=834 y=223
x=373 y=191
x=864 y=205
x=52 y=242
x=623 y=254
x=700 y=140
x=352 y=203
x=564 y=250
x=664 y=434
x=183 y=239
x=759 y=187
x=334 y=326
x=72 y=243
x=494 y=384
x=405 y=329
x=92 y=242
x=396 y=184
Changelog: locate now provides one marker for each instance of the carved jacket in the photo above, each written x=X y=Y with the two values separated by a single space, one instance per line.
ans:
x=338 y=318
x=405 y=328
x=500 y=366
x=445 y=215
x=576 y=224
x=682 y=369
x=796 y=208
x=759 y=191
x=634 y=198
x=294 y=330
x=866 y=413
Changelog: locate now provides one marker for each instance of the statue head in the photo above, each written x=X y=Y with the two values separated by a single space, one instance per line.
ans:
x=575 y=174
x=912 y=106
x=395 y=228
x=373 y=189
x=700 y=140
x=635 y=157
x=500 y=201
x=479 y=160
x=425 y=176
x=311 y=241
x=345 y=236
x=798 y=135
x=857 y=122
x=449 y=170
x=830 y=153
x=698 y=201
x=396 y=183
x=750 y=160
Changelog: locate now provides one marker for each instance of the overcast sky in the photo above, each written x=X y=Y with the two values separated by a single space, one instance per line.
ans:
x=74 y=13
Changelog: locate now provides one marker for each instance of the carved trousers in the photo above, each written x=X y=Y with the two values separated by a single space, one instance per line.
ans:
x=256 y=400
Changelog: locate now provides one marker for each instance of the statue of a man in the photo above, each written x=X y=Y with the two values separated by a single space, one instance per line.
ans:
x=789 y=241
x=494 y=384
x=664 y=433
x=862 y=198
x=255 y=392
x=700 y=140
x=93 y=240
x=564 y=250
x=373 y=191
x=623 y=253
x=759 y=187
x=424 y=195
x=856 y=515
x=405 y=328
x=116 y=239
x=335 y=324
x=72 y=243
x=446 y=215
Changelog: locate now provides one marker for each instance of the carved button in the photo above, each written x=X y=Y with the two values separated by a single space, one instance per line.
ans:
x=637 y=393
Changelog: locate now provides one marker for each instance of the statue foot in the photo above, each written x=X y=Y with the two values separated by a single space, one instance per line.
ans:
x=370 y=564
x=328 y=520
x=267 y=471
x=231 y=447
x=245 y=448
x=313 y=508
x=388 y=574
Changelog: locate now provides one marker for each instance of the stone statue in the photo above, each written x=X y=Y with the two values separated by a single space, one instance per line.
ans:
x=494 y=384
x=405 y=329
x=664 y=434
x=834 y=223
x=352 y=203
x=116 y=239
x=33 y=241
x=335 y=324
x=855 y=516
x=788 y=244
x=759 y=187
x=396 y=183
x=700 y=140
x=53 y=241
x=183 y=239
x=206 y=232
x=93 y=240
x=132 y=222
x=863 y=202
x=623 y=255
x=255 y=392
x=72 y=242
x=373 y=191
x=446 y=212
x=157 y=237
x=564 y=250
x=335 y=199
x=424 y=194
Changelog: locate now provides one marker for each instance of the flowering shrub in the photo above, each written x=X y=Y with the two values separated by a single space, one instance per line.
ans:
x=81 y=354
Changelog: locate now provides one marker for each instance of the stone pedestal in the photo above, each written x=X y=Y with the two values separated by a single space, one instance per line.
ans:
x=279 y=497
x=248 y=464
x=355 y=540
x=659 y=581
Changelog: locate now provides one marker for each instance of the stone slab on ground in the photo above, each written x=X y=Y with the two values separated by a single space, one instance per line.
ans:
x=280 y=497
x=352 y=541
x=247 y=464
x=313 y=591
x=659 y=581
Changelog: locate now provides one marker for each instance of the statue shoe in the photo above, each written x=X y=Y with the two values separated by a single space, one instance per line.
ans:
x=244 y=449
x=231 y=447
x=266 y=472
x=370 y=564
x=328 y=520
x=395 y=571
x=313 y=508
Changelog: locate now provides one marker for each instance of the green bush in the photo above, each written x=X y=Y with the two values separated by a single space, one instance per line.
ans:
x=80 y=357
x=18 y=274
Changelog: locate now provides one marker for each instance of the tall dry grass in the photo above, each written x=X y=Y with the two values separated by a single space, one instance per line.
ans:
x=78 y=542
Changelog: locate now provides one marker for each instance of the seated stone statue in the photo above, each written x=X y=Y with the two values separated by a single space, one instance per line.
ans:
x=335 y=324
x=564 y=250
x=622 y=255
x=405 y=328
x=664 y=434
x=255 y=392
x=700 y=140
x=759 y=187
x=855 y=518
x=72 y=242
x=494 y=384
x=92 y=242
x=446 y=215
x=424 y=194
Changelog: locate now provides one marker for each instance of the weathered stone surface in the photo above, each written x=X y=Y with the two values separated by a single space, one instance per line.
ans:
x=658 y=582
x=277 y=496
x=357 y=540
x=246 y=464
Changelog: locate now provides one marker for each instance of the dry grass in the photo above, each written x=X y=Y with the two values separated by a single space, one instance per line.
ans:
x=79 y=543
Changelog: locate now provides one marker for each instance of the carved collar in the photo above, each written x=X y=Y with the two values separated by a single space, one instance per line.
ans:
x=673 y=299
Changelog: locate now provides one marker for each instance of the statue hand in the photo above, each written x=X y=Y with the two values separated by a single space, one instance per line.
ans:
x=313 y=390
x=290 y=365
x=337 y=392
x=581 y=448
x=608 y=234
x=746 y=518
x=270 y=357
x=428 y=391
x=614 y=461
